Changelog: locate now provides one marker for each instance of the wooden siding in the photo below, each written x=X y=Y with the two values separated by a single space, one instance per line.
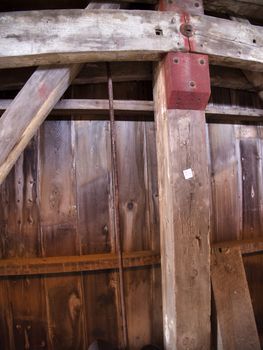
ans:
x=56 y=202
x=236 y=178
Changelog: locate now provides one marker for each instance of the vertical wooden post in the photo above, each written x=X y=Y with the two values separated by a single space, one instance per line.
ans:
x=181 y=91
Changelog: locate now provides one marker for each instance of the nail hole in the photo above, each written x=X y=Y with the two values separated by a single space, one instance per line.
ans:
x=202 y=61
x=158 y=31
x=192 y=84
x=130 y=205
x=176 y=60
x=197 y=4
x=254 y=41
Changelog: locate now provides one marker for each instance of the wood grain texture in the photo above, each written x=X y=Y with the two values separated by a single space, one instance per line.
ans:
x=227 y=42
x=226 y=183
x=67 y=264
x=184 y=220
x=243 y=8
x=93 y=176
x=122 y=35
x=45 y=87
x=233 y=303
x=134 y=35
x=236 y=181
x=58 y=211
x=25 y=317
x=95 y=73
x=246 y=246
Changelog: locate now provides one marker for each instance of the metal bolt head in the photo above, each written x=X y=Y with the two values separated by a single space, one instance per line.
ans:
x=187 y=30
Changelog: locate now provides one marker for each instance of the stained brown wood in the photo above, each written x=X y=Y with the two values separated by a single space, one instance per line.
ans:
x=233 y=303
x=95 y=73
x=133 y=220
x=25 y=321
x=92 y=73
x=66 y=264
x=93 y=176
x=230 y=78
x=184 y=219
x=58 y=222
x=246 y=246
x=246 y=8
x=225 y=176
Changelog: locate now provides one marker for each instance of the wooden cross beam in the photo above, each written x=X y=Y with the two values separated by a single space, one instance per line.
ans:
x=74 y=36
x=32 y=105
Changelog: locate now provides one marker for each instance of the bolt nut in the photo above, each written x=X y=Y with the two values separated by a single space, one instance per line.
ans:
x=187 y=30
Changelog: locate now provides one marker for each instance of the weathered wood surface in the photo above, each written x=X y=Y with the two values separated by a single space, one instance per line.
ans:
x=246 y=246
x=67 y=264
x=136 y=191
x=92 y=107
x=227 y=42
x=95 y=73
x=236 y=171
x=104 y=35
x=58 y=223
x=245 y=8
x=184 y=220
x=45 y=87
x=234 y=308
x=230 y=78
x=126 y=35
x=23 y=306
x=92 y=73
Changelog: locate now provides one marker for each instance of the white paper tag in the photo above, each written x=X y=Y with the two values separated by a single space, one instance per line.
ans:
x=188 y=174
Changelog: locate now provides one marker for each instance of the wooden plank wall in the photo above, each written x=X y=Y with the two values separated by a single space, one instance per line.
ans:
x=58 y=201
x=236 y=152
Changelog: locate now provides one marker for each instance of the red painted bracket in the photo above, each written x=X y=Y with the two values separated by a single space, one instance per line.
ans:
x=187 y=80
x=187 y=76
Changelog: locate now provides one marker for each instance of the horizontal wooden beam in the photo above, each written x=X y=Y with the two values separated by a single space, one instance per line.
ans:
x=246 y=246
x=90 y=106
x=123 y=35
x=227 y=42
x=95 y=73
x=76 y=36
x=92 y=73
x=246 y=8
x=231 y=113
x=229 y=78
x=69 y=264
x=95 y=107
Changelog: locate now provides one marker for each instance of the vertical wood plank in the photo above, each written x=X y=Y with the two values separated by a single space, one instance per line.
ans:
x=25 y=296
x=184 y=221
x=153 y=205
x=233 y=303
x=226 y=182
x=59 y=234
x=93 y=170
x=251 y=163
x=134 y=222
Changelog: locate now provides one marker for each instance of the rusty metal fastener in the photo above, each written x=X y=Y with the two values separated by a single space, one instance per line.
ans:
x=187 y=30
